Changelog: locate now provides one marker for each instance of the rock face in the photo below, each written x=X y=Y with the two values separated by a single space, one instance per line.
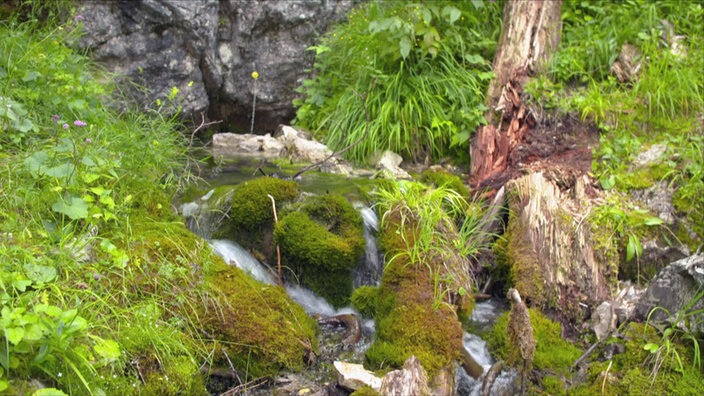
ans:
x=675 y=288
x=208 y=50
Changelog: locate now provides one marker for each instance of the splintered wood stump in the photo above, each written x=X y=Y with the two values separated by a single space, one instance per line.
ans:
x=531 y=35
x=558 y=259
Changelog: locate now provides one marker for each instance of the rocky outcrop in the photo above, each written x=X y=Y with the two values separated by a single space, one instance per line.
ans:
x=208 y=49
x=677 y=290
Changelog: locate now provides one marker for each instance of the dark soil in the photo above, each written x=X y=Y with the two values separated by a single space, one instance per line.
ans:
x=560 y=147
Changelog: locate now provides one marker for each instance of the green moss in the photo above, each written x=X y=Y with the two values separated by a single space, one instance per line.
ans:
x=251 y=216
x=365 y=300
x=365 y=391
x=642 y=178
x=552 y=353
x=322 y=240
x=258 y=326
x=631 y=372
x=553 y=385
x=410 y=323
x=442 y=177
x=251 y=206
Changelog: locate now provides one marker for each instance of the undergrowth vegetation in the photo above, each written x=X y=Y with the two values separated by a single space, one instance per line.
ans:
x=662 y=104
x=102 y=288
x=417 y=71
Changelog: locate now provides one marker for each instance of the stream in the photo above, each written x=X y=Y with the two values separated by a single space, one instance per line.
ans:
x=367 y=273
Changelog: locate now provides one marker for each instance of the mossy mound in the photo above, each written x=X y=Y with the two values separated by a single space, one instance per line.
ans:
x=257 y=325
x=321 y=239
x=251 y=214
x=441 y=177
x=410 y=323
x=552 y=352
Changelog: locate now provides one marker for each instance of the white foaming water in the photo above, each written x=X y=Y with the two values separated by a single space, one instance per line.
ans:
x=478 y=349
x=370 y=272
x=234 y=254
x=313 y=303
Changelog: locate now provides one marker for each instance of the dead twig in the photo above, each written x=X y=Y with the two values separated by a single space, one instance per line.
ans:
x=202 y=125
x=278 y=250
x=247 y=386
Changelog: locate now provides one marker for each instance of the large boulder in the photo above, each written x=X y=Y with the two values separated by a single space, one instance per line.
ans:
x=208 y=50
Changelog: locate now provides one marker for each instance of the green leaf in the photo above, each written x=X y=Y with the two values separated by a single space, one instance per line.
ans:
x=652 y=347
x=3 y=385
x=14 y=334
x=34 y=332
x=452 y=13
x=651 y=221
x=40 y=273
x=48 y=392
x=633 y=248
x=108 y=350
x=60 y=171
x=34 y=162
x=404 y=47
x=73 y=207
x=607 y=183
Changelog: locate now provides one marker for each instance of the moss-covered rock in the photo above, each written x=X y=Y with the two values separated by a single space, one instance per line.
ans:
x=321 y=239
x=552 y=352
x=259 y=327
x=365 y=299
x=251 y=216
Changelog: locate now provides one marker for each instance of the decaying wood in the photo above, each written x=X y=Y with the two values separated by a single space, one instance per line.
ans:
x=470 y=365
x=490 y=378
x=552 y=249
x=531 y=35
x=411 y=380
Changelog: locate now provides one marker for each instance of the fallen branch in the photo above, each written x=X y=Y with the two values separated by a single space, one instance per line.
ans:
x=201 y=126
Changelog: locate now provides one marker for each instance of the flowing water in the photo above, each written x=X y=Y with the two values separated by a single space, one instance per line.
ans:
x=368 y=272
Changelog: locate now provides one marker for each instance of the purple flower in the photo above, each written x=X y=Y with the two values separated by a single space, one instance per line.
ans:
x=79 y=123
x=55 y=117
x=96 y=276
x=64 y=126
x=79 y=18
x=89 y=141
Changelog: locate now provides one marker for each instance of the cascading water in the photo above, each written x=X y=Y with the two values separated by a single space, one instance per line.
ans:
x=483 y=317
x=370 y=271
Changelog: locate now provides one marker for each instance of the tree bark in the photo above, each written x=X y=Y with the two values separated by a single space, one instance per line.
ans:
x=530 y=36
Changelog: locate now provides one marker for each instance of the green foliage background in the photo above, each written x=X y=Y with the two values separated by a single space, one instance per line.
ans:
x=416 y=71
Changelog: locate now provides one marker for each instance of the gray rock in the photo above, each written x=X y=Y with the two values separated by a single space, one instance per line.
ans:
x=390 y=166
x=233 y=145
x=674 y=289
x=603 y=320
x=354 y=376
x=208 y=50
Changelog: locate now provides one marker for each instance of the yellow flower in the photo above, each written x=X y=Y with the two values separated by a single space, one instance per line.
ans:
x=255 y=75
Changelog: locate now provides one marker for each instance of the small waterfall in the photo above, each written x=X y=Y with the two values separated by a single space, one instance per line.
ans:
x=369 y=273
x=234 y=254
x=483 y=317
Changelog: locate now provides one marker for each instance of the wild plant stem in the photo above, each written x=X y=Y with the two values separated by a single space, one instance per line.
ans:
x=254 y=105
x=278 y=251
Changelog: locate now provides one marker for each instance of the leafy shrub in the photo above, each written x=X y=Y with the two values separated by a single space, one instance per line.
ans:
x=416 y=71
